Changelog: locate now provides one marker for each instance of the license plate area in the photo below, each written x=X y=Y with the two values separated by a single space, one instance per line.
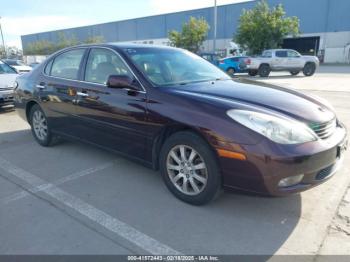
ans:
x=341 y=149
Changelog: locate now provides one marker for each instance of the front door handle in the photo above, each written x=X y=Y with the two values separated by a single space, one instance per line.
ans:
x=82 y=94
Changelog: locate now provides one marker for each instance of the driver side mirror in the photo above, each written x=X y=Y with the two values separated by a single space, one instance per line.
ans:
x=122 y=81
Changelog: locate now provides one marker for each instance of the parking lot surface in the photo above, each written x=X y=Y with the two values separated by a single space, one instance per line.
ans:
x=76 y=199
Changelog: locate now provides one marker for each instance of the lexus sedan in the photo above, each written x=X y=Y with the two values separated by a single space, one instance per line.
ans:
x=175 y=112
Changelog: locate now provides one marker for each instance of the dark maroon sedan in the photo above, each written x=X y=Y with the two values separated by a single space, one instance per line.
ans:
x=172 y=110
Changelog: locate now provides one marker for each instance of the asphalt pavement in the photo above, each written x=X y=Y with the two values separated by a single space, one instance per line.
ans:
x=77 y=199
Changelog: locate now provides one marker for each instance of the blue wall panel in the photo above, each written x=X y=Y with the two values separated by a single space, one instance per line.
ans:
x=315 y=17
x=339 y=16
x=151 y=27
x=312 y=14
x=127 y=30
x=108 y=31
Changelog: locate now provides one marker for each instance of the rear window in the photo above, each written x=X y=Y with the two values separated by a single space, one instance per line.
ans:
x=5 y=69
x=281 y=53
x=67 y=65
x=267 y=54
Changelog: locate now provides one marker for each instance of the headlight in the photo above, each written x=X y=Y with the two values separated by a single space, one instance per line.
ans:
x=279 y=130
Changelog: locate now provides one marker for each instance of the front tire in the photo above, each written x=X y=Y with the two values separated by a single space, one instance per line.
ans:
x=231 y=72
x=264 y=70
x=189 y=168
x=309 y=69
x=40 y=128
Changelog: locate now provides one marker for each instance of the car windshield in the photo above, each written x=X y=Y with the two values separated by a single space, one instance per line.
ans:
x=5 y=69
x=167 y=67
x=14 y=62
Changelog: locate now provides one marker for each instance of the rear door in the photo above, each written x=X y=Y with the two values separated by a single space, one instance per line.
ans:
x=112 y=118
x=280 y=61
x=57 y=89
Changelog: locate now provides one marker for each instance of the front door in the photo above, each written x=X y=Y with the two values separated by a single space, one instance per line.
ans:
x=280 y=60
x=114 y=118
x=294 y=60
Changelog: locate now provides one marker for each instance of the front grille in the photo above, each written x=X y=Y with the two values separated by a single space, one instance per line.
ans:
x=6 y=88
x=324 y=173
x=325 y=130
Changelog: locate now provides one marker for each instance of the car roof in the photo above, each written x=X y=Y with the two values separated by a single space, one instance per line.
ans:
x=124 y=45
x=208 y=53
x=115 y=46
x=281 y=49
x=236 y=56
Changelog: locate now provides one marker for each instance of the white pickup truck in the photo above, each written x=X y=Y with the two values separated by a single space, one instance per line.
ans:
x=283 y=60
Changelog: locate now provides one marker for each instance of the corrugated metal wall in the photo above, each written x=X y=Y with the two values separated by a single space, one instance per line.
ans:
x=315 y=16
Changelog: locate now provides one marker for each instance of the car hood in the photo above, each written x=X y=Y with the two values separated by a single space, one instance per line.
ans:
x=7 y=80
x=261 y=96
x=310 y=57
x=22 y=67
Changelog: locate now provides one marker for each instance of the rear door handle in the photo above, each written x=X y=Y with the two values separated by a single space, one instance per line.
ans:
x=41 y=85
x=82 y=94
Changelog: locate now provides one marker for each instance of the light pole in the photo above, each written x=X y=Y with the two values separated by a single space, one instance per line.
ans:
x=3 y=41
x=215 y=24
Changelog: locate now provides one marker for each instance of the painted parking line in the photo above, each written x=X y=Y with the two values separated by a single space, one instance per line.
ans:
x=58 y=182
x=95 y=215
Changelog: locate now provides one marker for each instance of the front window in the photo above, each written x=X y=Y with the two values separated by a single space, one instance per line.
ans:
x=14 y=62
x=5 y=69
x=166 y=67
x=103 y=63
x=293 y=54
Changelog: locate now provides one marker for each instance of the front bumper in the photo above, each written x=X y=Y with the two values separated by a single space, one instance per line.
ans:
x=268 y=163
x=6 y=97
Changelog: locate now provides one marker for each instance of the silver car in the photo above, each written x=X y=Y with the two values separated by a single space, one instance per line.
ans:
x=283 y=60
x=7 y=80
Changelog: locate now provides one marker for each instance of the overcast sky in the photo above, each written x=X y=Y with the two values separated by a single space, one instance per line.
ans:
x=20 y=17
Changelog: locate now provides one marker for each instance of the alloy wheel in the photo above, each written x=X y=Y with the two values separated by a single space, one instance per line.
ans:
x=187 y=170
x=40 y=125
x=309 y=69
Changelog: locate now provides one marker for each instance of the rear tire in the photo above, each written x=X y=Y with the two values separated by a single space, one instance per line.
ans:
x=294 y=73
x=231 y=72
x=264 y=70
x=309 y=69
x=40 y=127
x=189 y=168
x=253 y=72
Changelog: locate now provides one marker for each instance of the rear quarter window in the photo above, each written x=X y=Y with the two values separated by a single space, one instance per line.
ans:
x=48 y=66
